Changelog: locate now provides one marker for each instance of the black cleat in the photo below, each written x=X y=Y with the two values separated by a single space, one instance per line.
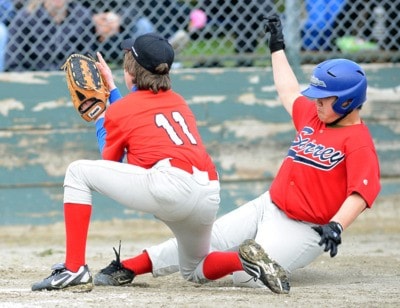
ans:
x=114 y=274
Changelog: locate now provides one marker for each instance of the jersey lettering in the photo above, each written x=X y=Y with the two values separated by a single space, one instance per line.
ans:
x=162 y=121
x=304 y=150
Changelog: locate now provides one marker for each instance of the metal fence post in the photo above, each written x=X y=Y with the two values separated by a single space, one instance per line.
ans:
x=292 y=34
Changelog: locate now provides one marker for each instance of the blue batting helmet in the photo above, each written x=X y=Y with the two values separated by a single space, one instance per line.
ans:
x=342 y=78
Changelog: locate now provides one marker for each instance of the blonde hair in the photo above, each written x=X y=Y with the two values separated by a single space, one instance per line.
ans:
x=146 y=80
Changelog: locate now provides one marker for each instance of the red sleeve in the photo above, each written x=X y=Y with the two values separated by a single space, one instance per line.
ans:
x=363 y=175
x=114 y=147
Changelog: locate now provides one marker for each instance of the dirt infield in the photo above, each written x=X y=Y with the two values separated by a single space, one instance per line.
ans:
x=366 y=272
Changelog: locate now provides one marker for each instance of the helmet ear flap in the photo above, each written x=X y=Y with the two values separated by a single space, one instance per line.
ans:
x=343 y=107
x=346 y=104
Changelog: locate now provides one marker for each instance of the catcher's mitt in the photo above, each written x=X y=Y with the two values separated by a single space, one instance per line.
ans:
x=88 y=90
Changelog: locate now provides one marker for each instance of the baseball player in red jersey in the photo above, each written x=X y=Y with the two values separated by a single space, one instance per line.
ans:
x=329 y=176
x=168 y=173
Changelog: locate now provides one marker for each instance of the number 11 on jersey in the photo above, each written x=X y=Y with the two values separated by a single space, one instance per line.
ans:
x=162 y=121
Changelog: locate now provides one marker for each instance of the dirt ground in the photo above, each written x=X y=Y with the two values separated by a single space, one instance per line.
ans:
x=366 y=272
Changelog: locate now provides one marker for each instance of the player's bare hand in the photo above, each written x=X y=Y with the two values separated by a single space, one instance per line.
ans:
x=105 y=71
x=273 y=25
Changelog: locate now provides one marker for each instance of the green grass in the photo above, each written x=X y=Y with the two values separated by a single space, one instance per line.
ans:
x=208 y=48
x=219 y=50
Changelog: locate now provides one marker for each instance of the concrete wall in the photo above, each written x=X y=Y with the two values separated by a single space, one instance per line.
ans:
x=243 y=125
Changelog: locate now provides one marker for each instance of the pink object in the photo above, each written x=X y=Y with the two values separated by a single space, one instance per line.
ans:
x=198 y=19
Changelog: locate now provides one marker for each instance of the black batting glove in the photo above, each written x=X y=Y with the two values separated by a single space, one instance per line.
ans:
x=330 y=236
x=273 y=25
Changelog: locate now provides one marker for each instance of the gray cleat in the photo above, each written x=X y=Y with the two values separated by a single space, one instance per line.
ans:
x=63 y=279
x=258 y=264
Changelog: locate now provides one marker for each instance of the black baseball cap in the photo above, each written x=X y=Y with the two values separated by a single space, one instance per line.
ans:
x=150 y=50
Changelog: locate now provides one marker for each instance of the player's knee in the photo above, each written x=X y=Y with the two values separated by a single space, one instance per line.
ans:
x=195 y=276
x=72 y=169
x=187 y=275
x=73 y=175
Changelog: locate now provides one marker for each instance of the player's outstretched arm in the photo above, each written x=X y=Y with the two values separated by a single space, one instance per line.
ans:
x=330 y=233
x=351 y=208
x=285 y=80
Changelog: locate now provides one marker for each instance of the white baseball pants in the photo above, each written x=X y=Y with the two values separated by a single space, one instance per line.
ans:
x=186 y=203
x=293 y=244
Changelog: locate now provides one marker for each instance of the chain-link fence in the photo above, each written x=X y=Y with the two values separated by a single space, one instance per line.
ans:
x=40 y=34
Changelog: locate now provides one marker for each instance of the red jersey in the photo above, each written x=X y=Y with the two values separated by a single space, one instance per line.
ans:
x=324 y=166
x=150 y=127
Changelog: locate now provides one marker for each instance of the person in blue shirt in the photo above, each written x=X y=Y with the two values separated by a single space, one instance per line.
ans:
x=43 y=35
x=7 y=12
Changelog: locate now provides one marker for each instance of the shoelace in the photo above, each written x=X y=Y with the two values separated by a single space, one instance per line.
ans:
x=252 y=278
x=57 y=271
x=115 y=264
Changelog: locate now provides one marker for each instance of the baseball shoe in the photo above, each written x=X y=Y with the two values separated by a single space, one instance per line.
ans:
x=258 y=264
x=114 y=274
x=63 y=279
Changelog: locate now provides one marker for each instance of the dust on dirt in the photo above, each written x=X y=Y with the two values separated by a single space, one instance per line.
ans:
x=365 y=273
